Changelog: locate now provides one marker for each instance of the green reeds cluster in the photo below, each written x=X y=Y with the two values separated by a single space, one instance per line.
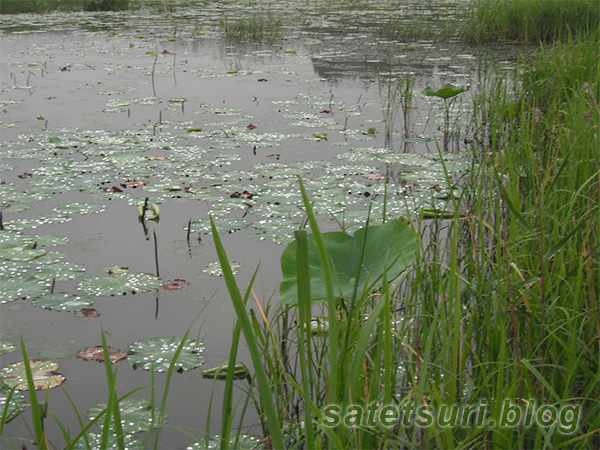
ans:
x=529 y=20
x=256 y=28
x=500 y=308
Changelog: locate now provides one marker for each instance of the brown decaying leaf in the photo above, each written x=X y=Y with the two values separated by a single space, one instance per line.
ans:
x=87 y=313
x=25 y=175
x=97 y=353
x=134 y=183
x=274 y=156
x=251 y=126
x=175 y=285
x=245 y=194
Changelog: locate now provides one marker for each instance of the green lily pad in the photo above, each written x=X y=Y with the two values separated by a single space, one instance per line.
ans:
x=388 y=248
x=15 y=403
x=136 y=415
x=48 y=240
x=242 y=442
x=448 y=91
x=14 y=268
x=43 y=372
x=21 y=253
x=126 y=283
x=6 y=347
x=12 y=289
x=60 y=271
x=63 y=301
x=157 y=354
x=214 y=268
x=80 y=208
x=95 y=441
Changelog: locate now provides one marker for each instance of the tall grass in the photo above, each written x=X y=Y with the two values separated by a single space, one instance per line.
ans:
x=502 y=305
x=256 y=28
x=529 y=20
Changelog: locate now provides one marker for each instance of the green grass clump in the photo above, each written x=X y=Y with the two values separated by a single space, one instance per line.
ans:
x=501 y=306
x=258 y=27
x=529 y=20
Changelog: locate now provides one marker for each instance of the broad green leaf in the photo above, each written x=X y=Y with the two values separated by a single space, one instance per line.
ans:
x=390 y=247
x=20 y=288
x=6 y=347
x=157 y=353
x=448 y=91
x=60 y=271
x=63 y=301
x=121 y=284
x=136 y=415
x=16 y=403
x=242 y=442
x=44 y=375
x=95 y=440
x=21 y=253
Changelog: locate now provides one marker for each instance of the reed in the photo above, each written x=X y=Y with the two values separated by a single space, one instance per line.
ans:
x=530 y=21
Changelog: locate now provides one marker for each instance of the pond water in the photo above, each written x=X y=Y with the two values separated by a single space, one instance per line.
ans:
x=101 y=111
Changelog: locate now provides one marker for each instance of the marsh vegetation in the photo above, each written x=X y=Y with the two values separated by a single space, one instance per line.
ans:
x=437 y=235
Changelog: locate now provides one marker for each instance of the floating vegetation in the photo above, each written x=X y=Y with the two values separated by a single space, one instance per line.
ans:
x=43 y=372
x=120 y=284
x=157 y=354
x=62 y=301
x=136 y=415
x=214 y=268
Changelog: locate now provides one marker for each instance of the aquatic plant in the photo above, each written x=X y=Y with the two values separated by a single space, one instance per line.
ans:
x=258 y=27
x=530 y=21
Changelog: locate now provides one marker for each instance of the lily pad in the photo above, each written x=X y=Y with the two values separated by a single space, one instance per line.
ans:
x=95 y=441
x=80 y=208
x=157 y=353
x=6 y=347
x=97 y=353
x=62 y=301
x=21 y=253
x=60 y=271
x=15 y=403
x=43 y=372
x=136 y=415
x=214 y=268
x=121 y=284
x=388 y=248
x=242 y=442
x=12 y=289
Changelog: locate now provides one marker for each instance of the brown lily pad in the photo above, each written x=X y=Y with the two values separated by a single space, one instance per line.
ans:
x=175 y=285
x=97 y=353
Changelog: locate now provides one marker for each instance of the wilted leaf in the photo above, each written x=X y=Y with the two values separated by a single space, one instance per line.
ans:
x=87 y=313
x=43 y=372
x=97 y=353
x=157 y=353
x=175 y=285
